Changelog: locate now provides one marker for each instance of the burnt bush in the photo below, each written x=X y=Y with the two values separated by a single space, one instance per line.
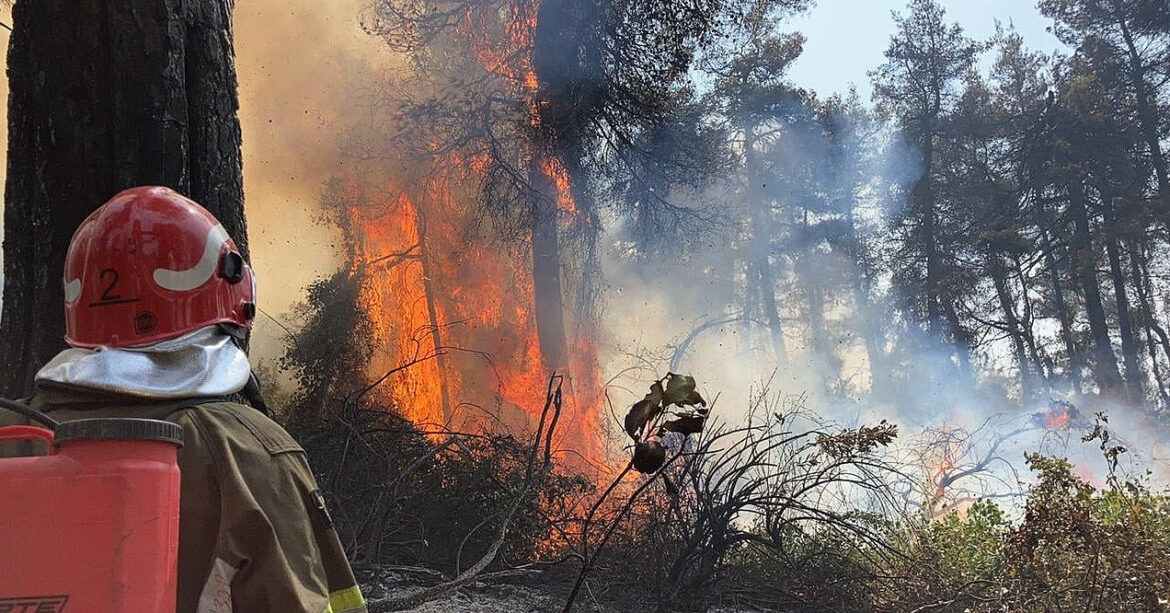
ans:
x=400 y=496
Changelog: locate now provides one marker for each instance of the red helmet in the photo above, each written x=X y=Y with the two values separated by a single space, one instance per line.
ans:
x=151 y=265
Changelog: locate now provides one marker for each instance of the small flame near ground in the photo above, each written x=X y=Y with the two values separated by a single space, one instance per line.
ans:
x=1057 y=419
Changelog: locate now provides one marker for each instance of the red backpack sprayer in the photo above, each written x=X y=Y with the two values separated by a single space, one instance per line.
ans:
x=92 y=525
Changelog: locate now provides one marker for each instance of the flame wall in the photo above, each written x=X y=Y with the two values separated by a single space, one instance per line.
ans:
x=432 y=283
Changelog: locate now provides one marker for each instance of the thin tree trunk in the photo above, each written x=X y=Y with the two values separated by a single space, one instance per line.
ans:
x=761 y=250
x=961 y=341
x=92 y=113
x=1066 y=332
x=1105 y=370
x=767 y=288
x=1141 y=282
x=1147 y=118
x=429 y=291
x=824 y=362
x=1130 y=348
x=924 y=199
x=1007 y=305
x=1027 y=326
x=864 y=320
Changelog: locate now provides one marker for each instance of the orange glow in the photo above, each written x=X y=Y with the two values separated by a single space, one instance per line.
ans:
x=555 y=171
x=1056 y=419
x=481 y=296
x=939 y=459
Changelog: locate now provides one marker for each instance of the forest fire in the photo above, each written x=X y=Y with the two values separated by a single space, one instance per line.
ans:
x=464 y=305
x=463 y=308
x=1056 y=420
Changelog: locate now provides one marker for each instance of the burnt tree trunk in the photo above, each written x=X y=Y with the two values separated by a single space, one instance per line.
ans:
x=106 y=96
x=546 y=270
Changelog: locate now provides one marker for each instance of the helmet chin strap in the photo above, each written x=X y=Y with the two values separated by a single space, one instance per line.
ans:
x=254 y=395
x=251 y=392
x=238 y=334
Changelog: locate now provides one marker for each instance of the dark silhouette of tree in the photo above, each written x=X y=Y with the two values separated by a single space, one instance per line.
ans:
x=1135 y=34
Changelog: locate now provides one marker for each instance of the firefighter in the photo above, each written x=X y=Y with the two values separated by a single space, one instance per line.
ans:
x=157 y=302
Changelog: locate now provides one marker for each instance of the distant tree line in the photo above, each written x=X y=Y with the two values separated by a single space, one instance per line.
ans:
x=1000 y=228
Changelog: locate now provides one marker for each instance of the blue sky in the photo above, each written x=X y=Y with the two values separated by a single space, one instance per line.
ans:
x=846 y=38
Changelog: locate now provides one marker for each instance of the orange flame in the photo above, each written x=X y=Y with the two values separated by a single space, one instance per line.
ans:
x=1056 y=419
x=465 y=308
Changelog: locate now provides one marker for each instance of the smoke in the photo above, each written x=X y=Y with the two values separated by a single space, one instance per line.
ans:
x=305 y=67
x=684 y=311
x=299 y=64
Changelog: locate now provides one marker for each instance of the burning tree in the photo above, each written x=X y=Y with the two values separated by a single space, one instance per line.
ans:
x=527 y=119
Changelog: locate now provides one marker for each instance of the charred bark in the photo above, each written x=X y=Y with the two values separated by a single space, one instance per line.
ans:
x=105 y=96
x=546 y=270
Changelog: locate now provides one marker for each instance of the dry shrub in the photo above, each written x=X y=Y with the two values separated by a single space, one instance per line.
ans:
x=779 y=513
x=401 y=497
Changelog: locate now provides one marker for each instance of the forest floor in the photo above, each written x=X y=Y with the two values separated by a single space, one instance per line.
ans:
x=479 y=597
x=531 y=597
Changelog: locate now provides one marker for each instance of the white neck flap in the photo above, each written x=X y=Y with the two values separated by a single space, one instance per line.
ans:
x=206 y=362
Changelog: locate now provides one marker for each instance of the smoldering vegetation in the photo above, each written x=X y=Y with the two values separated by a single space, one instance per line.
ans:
x=934 y=320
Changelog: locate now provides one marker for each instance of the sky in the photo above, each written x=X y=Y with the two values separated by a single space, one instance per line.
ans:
x=846 y=38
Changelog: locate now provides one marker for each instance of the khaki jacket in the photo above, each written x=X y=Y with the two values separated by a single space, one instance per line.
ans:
x=254 y=533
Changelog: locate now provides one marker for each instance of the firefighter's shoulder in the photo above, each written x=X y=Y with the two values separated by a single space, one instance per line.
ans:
x=241 y=426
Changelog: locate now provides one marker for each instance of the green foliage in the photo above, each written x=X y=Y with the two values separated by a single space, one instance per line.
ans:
x=1079 y=549
x=1075 y=549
